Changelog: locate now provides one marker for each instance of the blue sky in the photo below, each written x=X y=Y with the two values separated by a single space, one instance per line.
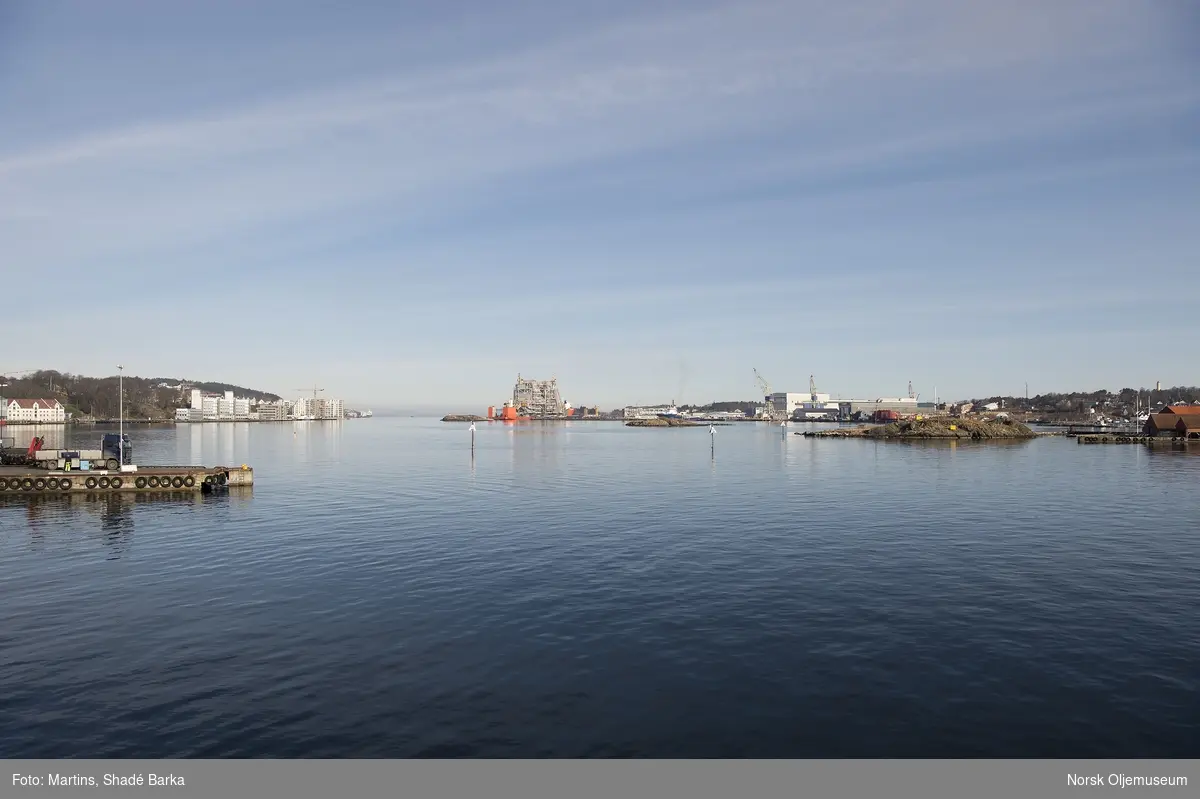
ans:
x=410 y=203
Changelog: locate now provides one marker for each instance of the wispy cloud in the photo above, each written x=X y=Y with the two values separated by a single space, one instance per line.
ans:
x=681 y=122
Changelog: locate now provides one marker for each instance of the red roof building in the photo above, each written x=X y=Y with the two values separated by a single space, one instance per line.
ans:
x=37 y=410
x=1182 y=410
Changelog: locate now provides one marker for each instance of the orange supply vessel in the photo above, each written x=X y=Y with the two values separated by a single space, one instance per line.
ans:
x=491 y=411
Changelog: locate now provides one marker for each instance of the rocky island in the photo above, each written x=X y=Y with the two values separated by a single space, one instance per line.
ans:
x=463 y=417
x=974 y=429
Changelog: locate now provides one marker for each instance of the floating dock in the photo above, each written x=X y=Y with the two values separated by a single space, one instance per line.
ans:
x=28 y=480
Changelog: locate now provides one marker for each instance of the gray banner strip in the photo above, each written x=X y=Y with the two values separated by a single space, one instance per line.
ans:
x=532 y=779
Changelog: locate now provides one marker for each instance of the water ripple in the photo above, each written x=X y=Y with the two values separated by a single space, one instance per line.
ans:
x=599 y=591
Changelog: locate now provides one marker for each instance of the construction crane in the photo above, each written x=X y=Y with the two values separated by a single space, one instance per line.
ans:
x=911 y=394
x=7 y=377
x=312 y=409
x=765 y=387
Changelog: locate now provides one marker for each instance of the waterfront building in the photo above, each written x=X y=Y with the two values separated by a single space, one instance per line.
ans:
x=901 y=405
x=330 y=409
x=1188 y=426
x=1173 y=421
x=226 y=407
x=35 y=411
x=649 y=411
x=272 y=411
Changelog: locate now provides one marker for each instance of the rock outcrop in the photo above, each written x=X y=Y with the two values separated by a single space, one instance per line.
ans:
x=661 y=423
x=939 y=427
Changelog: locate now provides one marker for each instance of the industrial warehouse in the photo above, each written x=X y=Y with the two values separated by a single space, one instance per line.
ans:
x=817 y=406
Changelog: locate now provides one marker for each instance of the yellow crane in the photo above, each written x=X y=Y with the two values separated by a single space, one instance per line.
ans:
x=765 y=387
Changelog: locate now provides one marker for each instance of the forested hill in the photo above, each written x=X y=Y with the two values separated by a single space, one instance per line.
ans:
x=96 y=397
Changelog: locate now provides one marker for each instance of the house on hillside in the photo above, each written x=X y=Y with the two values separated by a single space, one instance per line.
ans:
x=1181 y=410
x=35 y=411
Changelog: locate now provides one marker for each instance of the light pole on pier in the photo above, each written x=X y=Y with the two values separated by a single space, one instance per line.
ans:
x=120 y=416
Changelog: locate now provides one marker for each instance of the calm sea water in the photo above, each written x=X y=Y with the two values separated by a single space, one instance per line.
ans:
x=593 y=590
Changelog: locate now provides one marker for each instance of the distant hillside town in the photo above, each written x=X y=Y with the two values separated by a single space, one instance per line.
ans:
x=50 y=397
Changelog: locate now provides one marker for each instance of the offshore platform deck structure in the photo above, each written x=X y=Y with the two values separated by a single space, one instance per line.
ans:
x=532 y=399
x=538 y=399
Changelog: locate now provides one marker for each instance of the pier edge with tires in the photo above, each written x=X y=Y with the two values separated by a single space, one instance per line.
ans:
x=206 y=479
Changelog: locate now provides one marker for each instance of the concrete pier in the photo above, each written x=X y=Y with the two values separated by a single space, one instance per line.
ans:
x=1132 y=438
x=25 y=480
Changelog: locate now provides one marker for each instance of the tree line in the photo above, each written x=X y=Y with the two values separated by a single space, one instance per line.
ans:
x=1103 y=399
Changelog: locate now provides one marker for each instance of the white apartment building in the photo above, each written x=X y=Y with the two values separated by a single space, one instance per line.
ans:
x=227 y=407
x=272 y=411
x=39 y=411
x=332 y=409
